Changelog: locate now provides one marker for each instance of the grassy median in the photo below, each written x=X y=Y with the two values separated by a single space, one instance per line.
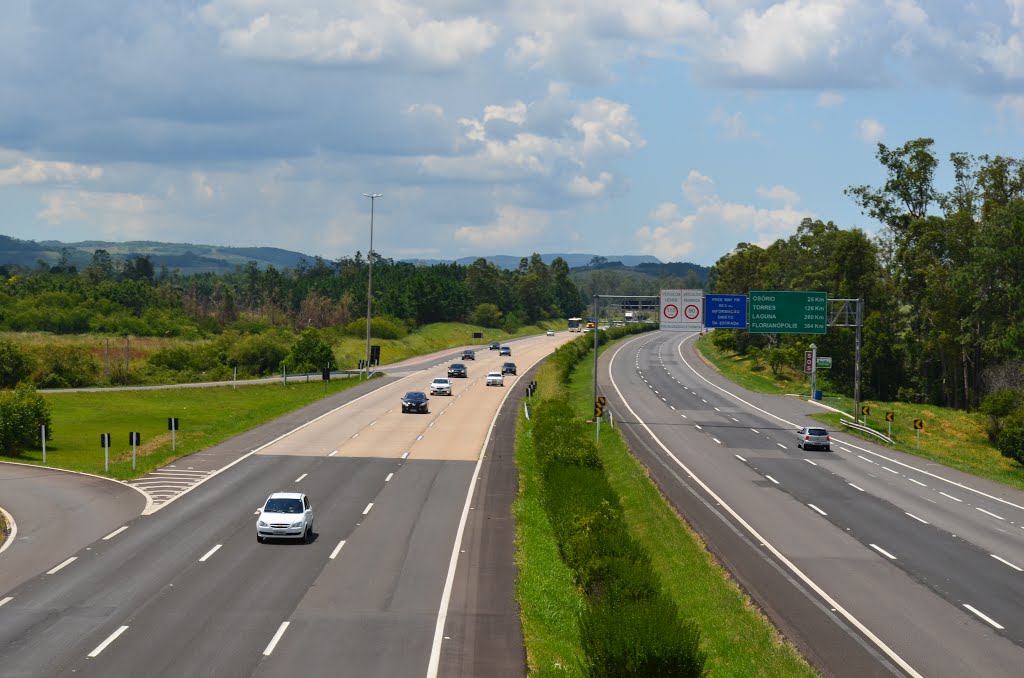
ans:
x=738 y=639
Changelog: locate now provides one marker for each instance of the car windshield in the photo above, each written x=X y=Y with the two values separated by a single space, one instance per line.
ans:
x=414 y=395
x=280 y=505
x=457 y=366
x=441 y=381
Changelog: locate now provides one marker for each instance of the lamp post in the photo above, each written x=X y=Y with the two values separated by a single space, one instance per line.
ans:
x=369 y=280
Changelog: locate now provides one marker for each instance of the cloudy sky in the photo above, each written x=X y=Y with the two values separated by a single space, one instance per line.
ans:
x=676 y=128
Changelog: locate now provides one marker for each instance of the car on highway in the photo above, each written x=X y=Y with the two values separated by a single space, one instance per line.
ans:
x=495 y=345
x=495 y=379
x=415 y=401
x=813 y=436
x=457 y=370
x=508 y=368
x=551 y=333
x=504 y=350
x=285 y=515
x=469 y=354
x=441 y=386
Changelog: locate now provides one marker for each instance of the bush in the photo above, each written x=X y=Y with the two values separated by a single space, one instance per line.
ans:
x=15 y=366
x=257 y=355
x=309 y=354
x=998 y=406
x=22 y=412
x=382 y=327
x=65 y=367
x=1011 y=438
x=512 y=322
x=486 y=315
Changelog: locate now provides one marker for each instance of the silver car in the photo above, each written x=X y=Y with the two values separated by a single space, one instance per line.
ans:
x=813 y=437
x=495 y=379
x=441 y=386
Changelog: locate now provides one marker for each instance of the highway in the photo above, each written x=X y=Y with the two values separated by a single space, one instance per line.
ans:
x=398 y=551
x=871 y=561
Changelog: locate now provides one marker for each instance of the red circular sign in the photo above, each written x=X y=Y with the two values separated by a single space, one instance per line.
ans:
x=670 y=311
x=691 y=311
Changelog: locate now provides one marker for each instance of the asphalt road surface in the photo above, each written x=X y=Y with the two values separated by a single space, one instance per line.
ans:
x=392 y=585
x=873 y=562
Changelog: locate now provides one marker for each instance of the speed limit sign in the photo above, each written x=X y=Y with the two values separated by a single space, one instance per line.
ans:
x=682 y=310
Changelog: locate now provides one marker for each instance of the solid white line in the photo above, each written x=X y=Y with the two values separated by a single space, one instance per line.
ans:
x=812 y=463
x=337 y=549
x=741 y=458
x=754 y=533
x=332 y=453
x=951 y=497
x=103 y=646
x=917 y=481
x=855 y=487
x=1001 y=560
x=756 y=431
x=116 y=532
x=883 y=552
x=890 y=470
x=405 y=455
x=985 y=617
x=389 y=477
x=920 y=520
x=13 y=527
x=716 y=440
x=817 y=509
x=210 y=553
x=772 y=479
x=781 y=445
x=698 y=427
x=368 y=507
x=989 y=513
x=63 y=565
x=277 y=636
x=6 y=600
x=867 y=460
x=299 y=479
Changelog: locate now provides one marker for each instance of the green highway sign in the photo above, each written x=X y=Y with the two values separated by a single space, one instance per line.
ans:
x=778 y=312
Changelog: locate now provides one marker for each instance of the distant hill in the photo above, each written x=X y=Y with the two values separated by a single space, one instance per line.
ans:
x=576 y=260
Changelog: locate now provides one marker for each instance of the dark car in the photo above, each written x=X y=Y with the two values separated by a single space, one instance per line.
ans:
x=495 y=345
x=508 y=368
x=504 y=350
x=457 y=370
x=812 y=436
x=469 y=354
x=415 y=401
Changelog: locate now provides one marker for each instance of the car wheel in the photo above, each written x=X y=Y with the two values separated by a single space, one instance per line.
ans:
x=259 y=539
x=828 y=448
x=799 y=446
x=306 y=536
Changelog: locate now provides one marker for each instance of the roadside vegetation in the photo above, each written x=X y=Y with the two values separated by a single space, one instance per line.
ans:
x=611 y=581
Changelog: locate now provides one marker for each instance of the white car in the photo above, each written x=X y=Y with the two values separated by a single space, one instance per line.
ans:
x=551 y=333
x=495 y=379
x=285 y=515
x=441 y=386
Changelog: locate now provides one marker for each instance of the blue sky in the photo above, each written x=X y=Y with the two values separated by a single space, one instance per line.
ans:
x=676 y=128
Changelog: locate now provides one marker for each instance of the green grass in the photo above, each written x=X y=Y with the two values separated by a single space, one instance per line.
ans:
x=737 y=638
x=950 y=437
x=206 y=416
x=750 y=375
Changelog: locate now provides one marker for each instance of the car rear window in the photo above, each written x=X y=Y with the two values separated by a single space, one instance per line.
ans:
x=817 y=432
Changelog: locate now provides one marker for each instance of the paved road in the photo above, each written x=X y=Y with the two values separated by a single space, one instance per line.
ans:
x=187 y=590
x=872 y=562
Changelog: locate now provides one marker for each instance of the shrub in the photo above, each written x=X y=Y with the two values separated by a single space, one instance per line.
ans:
x=1011 y=437
x=382 y=327
x=65 y=367
x=998 y=406
x=513 y=321
x=257 y=355
x=486 y=315
x=22 y=412
x=309 y=354
x=15 y=366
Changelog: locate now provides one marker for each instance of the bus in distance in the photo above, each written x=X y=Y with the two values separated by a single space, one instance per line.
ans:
x=574 y=324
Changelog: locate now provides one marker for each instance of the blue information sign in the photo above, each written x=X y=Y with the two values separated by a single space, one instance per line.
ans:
x=725 y=310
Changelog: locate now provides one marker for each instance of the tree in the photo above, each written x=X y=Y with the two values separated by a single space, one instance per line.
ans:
x=15 y=366
x=309 y=354
x=486 y=315
x=101 y=268
x=22 y=412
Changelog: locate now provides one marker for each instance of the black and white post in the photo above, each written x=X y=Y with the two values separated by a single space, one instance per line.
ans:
x=135 y=439
x=172 y=426
x=105 y=442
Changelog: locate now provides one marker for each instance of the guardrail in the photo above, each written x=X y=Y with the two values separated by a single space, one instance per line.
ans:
x=865 y=429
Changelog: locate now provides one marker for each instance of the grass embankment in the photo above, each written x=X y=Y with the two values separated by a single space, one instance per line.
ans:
x=737 y=638
x=206 y=416
x=950 y=437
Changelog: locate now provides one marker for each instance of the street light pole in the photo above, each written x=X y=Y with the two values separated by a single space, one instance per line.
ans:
x=369 y=281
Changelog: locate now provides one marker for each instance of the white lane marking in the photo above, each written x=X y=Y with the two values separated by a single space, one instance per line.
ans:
x=13 y=527
x=703 y=401
x=741 y=458
x=656 y=392
x=917 y=481
x=883 y=551
x=772 y=479
x=756 y=431
x=210 y=553
x=672 y=406
x=890 y=470
x=1001 y=560
x=735 y=419
x=116 y=532
x=866 y=459
x=920 y=520
x=717 y=410
x=332 y=453
x=6 y=600
x=419 y=437
x=855 y=487
x=949 y=496
x=373 y=422
x=679 y=350
x=812 y=463
x=845 y=450
x=754 y=533
x=111 y=638
x=684 y=416
x=277 y=636
x=356 y=435
x=368 y=507
x=984 y=616
x=299 y=479
x=817 y=509
x=337 y=549
x=716 y=440
x=698 y=427
x=781 y=445
x=663 y=400
x=405 y=456
x=63 y=565
x=989 y=513
x=390 y=475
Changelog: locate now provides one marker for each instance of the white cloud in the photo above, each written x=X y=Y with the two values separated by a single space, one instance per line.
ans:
x=871 y=131
x=779 y=193
x=120 y=216
x=829 y=99
x=31 y=171
x=699 y=189
x=512 y=226
x=587 y=188
x=734 y=125
x=201 y=187
x=425 y=110
x=515 y=114
x=1012 y=105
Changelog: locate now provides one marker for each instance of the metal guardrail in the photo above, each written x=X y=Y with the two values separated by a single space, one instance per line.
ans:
x=865 y=429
